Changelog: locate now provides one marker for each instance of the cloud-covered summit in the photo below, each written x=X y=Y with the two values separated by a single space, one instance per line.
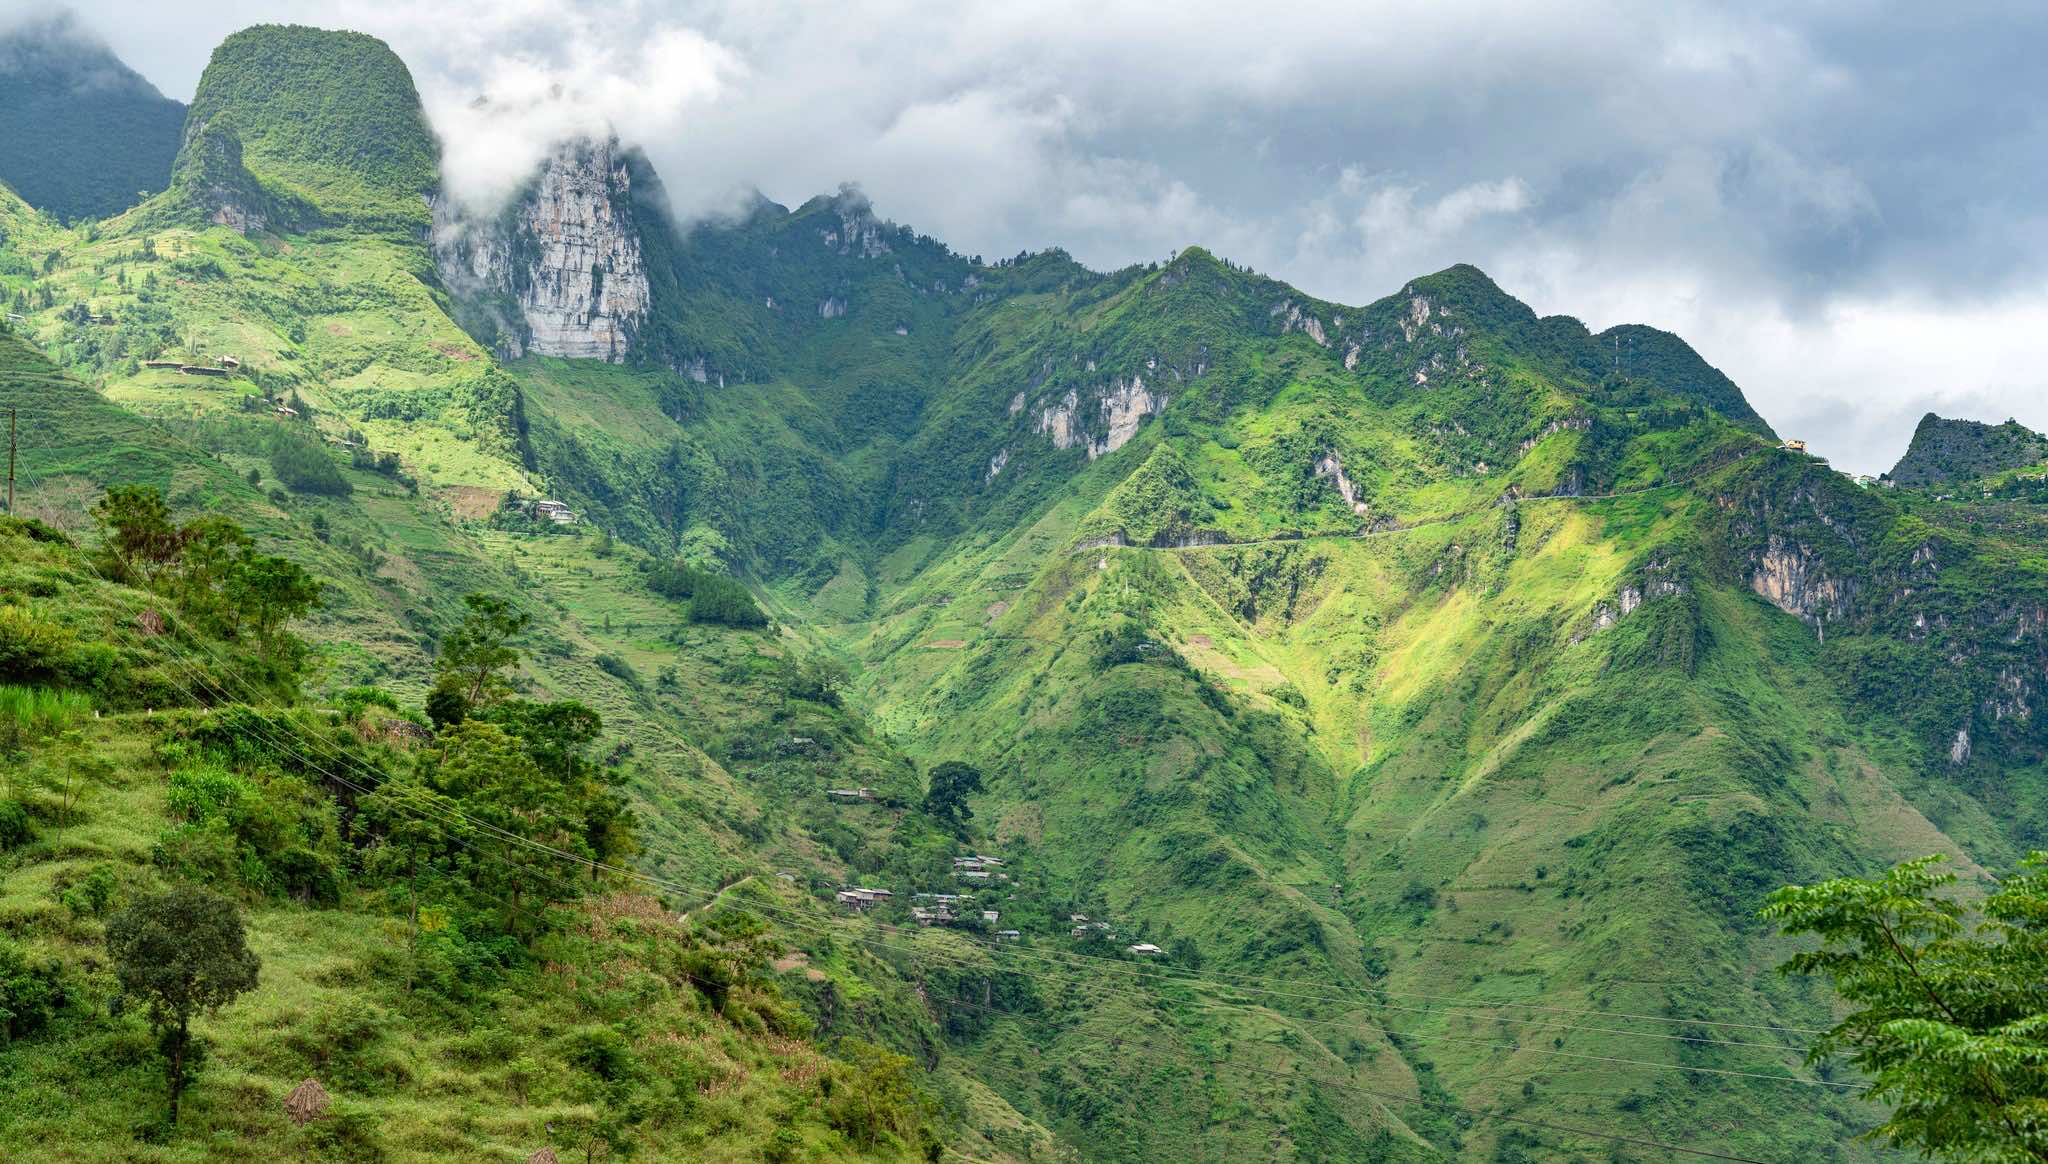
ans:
x=1836 y=203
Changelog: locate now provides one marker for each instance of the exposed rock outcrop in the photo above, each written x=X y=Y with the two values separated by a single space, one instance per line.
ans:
x=1332 y=466
x=566 y=257
x=1107 y=427
x=860 y=232
x=212 y=179
x=1659 y=578
x=1561 y=424
x=1791 y=577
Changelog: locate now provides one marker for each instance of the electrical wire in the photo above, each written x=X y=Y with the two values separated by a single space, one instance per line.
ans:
x=1049 y=959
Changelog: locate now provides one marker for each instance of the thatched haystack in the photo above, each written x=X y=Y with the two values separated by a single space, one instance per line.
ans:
x=307 y=1102
x=544 y=1156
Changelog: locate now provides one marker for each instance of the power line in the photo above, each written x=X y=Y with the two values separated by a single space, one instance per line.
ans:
x=1072 y=962
x=1236 y=1066
x=1046 y=959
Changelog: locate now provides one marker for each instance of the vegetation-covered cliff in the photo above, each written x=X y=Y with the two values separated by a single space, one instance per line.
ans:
x=1946 y=450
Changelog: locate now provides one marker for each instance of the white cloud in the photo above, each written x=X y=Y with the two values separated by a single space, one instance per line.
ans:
x=500 y=119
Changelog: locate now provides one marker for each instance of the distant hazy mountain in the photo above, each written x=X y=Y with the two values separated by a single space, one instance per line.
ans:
x=82 y=133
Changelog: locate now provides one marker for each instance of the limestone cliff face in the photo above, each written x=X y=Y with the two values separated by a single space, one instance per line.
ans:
x=1105 y=428
x=1792 y=578
x=563 y=264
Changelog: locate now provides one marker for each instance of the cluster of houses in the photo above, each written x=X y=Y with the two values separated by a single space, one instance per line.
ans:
x=947 y=908
x=932 y=909
x=221 y=366
x=979 y=868
x=1085 y=926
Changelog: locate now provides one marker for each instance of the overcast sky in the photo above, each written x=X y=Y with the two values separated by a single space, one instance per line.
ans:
x=1841 y=204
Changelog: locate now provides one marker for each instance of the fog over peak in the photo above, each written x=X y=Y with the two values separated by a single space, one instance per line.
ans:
x=1835 y=203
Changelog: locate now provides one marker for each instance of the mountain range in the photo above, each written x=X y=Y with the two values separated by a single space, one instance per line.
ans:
x=1391 y=716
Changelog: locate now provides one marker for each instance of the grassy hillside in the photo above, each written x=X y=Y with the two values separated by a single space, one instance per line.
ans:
x=441 y=1018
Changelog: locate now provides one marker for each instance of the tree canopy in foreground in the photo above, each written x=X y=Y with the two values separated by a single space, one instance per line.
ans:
x=1951 y=1003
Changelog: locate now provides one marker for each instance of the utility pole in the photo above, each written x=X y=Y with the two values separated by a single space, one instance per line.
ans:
x=10 y=462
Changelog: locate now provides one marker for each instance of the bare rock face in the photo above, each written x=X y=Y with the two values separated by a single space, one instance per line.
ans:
x=1791 y=578
x=211 y=172
x=1332 y=466
x=1114 y=421
x=860 y=232
x=566 y=255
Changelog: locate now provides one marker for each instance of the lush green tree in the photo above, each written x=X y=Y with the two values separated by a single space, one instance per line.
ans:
x=268 y=592
x=31 y=993
x=210 y=550
x=446 y=705
x=946 y=794
x=725 y=602
x=141 y=540
x=709 y=597
x=476 y=653
x=421 y=833
x=489 y=772
x=1950 y=1017
x=818 y=680
x=180 y=953
x=610 y=827
x=873 y=1101
x=558 y=737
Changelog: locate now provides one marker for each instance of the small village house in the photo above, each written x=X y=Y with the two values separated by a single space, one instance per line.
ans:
x=861 y=897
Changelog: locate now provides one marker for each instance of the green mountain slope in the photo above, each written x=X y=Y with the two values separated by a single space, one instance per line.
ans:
x=1415 y=699
x=84 y=136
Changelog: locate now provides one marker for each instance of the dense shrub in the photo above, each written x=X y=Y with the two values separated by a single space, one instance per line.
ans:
x=621 y=670
x=305 y=467
x=32 y=646
x=31 y=993
x=710 y=598
x=14 y=827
